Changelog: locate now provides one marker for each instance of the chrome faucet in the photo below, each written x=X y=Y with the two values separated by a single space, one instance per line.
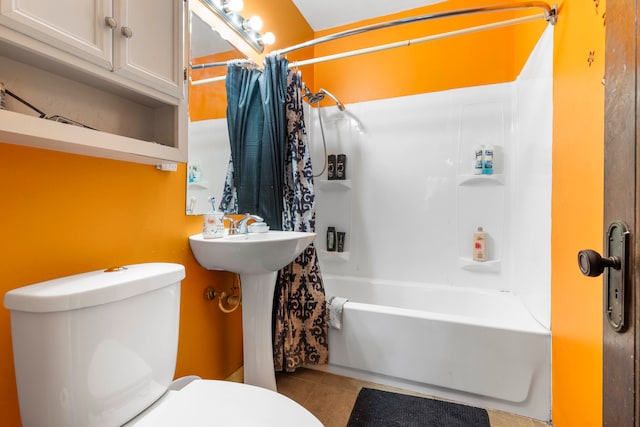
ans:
x=233 y=225
x=243 y=223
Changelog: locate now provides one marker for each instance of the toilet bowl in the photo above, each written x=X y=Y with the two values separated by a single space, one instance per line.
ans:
x=222 y=403
x=99 y=349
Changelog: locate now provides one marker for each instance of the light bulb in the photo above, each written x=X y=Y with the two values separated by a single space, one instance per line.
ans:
x=254 y=23
x=268 y=38
x=232 y=5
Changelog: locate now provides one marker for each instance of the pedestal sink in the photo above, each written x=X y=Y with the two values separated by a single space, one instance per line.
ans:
x=257 y=257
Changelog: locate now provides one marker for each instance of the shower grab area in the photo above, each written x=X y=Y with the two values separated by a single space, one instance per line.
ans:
x=421 y=313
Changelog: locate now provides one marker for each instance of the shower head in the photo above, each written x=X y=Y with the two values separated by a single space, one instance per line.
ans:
x=330 y=95
x=316 y=98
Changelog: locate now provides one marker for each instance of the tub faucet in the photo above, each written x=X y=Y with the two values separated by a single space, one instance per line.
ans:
x=243 y=223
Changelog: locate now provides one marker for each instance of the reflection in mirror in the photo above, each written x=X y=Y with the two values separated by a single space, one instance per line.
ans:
x=208 y=136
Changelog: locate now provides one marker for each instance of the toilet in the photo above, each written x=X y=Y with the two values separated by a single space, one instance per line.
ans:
x=99 y=349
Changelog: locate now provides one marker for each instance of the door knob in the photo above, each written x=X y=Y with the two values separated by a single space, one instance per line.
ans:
x=592 y=264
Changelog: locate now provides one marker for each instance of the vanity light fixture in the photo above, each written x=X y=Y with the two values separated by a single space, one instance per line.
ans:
x=254 y=23
x=231 y=5
x=248 y=29
x=268 y=38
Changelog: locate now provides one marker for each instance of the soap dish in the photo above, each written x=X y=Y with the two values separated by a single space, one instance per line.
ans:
x=258 y=227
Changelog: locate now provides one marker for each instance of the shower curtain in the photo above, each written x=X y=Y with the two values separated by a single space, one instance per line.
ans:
x=270 y=174
x=300 y=315
x=255 y=114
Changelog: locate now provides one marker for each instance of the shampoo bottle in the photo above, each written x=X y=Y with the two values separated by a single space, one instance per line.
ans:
x=341 y=164
x=331 y=166
x=479 y=245
x=331 y=239
x=488 y=159
x=478 y=163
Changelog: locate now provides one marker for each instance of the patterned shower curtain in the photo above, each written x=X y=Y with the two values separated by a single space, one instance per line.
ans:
x=300 y=320
x=300 y=324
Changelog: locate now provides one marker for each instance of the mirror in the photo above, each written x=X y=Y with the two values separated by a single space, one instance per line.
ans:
x=208 y=137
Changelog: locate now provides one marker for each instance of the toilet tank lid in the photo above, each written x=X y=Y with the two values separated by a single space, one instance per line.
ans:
x=93 y=288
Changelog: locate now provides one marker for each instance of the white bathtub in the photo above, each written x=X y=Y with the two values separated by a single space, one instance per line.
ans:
x=482 y=348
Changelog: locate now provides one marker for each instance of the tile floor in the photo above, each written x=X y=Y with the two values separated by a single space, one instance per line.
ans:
x=331 y=397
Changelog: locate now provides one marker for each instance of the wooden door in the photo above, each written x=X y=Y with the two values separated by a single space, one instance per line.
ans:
x=620 y=355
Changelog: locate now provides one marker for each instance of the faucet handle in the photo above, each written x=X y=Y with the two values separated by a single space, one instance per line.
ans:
x=233 y=225
x=243 y=223
x=249 y=216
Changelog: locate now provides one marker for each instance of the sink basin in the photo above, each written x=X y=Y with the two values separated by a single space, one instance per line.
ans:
x=252 y=253
x=257 y=257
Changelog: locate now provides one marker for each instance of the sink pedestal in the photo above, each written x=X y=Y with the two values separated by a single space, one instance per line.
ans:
x=257 y=306
x=257 y=257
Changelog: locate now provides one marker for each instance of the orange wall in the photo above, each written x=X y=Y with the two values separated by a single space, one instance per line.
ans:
x=65 y=214
x=474 y=59
x=576 y=301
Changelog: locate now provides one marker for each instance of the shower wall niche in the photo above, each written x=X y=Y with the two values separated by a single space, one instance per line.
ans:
x=334 y=198
x=481 y=198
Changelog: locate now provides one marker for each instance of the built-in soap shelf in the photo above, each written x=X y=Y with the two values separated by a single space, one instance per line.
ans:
x=334 y=184
x=471 y=179
x=200 y=184
x=336 y=205
x=490 y=266
x=334 y=255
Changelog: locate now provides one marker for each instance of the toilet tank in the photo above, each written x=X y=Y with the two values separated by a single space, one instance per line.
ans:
x=95 y=349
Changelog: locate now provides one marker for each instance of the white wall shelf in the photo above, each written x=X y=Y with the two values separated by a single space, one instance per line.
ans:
x=20 y=129
x=203 y=185
x=334 y=184
x=334 y=255
x=490 y=266
x=469 y=179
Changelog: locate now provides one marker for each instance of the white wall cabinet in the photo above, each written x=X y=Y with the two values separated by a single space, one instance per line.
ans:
x=132 y=50
x=142 y=39
x=70 y=25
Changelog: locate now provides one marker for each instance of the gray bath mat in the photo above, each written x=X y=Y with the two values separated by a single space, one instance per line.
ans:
x=377 y=408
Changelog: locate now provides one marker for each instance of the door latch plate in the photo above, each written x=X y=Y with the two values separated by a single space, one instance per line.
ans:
x=615 y=279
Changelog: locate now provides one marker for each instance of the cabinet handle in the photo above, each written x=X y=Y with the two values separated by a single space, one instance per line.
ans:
x=111 y=22
x=127 y=32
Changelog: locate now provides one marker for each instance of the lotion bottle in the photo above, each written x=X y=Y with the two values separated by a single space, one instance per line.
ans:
x=479 y=245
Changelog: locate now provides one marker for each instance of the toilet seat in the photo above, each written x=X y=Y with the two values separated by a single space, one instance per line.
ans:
x=222 y=403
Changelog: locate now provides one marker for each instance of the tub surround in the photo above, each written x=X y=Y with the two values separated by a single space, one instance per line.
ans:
x=415 y=154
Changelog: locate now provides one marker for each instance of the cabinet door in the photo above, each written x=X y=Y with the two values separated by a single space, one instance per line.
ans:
x=148 y=45
x=75 y=26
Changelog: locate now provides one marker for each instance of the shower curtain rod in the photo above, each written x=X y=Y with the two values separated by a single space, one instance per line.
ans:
x=550 y=14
